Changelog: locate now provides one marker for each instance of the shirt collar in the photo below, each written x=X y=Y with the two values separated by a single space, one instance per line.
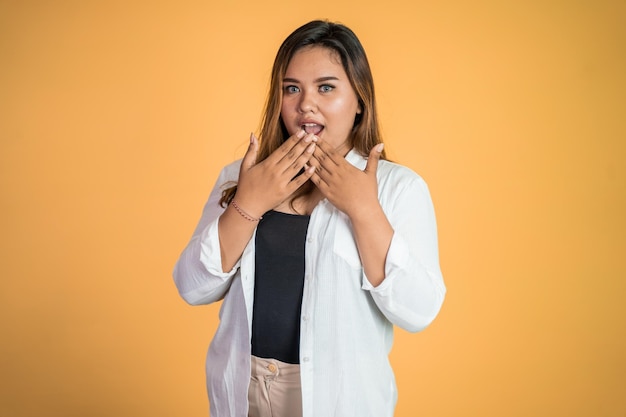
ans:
x=356 y=159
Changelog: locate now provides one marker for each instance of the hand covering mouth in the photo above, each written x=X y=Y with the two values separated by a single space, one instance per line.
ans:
x=312 y=128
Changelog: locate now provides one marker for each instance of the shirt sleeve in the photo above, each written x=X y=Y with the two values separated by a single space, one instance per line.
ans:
x=413 y=290
x=198 y=274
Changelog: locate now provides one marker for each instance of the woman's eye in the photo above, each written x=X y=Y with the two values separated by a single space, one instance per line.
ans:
x=290 y=89
x=326 y=88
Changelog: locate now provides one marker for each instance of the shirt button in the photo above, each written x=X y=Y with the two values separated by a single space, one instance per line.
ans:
x=305 y=359
x=271 y=367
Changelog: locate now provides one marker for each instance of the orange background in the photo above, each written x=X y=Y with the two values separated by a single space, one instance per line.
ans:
x=116 y=116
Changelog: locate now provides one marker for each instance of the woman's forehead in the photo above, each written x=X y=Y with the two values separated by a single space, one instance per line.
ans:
x=314 y=56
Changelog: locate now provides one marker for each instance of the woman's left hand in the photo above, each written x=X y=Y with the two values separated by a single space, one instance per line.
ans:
x=355 y=192
x=351 y=190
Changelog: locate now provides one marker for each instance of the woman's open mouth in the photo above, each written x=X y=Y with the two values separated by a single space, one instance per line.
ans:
x=312 y=128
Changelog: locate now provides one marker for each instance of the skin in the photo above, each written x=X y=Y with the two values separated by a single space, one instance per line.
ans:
x=316 y=91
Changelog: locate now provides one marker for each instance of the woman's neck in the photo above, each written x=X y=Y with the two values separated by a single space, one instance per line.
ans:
x=303 y=204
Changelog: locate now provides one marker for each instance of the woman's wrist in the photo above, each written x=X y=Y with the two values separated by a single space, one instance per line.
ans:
x=365 y=212
x=243 y=213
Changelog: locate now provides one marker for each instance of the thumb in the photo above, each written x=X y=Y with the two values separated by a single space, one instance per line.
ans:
x=372 y=160
x=249 y=159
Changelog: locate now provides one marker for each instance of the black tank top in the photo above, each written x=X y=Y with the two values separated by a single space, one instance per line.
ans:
x=278 y=286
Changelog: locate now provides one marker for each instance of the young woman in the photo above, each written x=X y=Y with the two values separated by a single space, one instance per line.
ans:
x=316 y=244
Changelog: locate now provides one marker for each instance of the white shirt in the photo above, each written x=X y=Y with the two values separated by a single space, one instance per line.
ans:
x=346 y=323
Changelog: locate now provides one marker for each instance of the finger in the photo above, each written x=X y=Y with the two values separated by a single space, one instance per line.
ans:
x=249 y=159
x=290 y=143
x=324 y=160
x=316 y=175
x=300 y=164
x=325 y=166
x=285 y=147
x=326 y=152
x=374 y=157
x=289 y=150
x=302 y=178
x=292 y=155
x=317 y=161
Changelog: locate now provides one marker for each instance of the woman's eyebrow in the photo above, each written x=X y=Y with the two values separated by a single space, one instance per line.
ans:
x=329 y=78
x=319 y=80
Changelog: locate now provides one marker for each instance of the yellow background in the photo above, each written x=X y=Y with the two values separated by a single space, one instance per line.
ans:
x=115 y=117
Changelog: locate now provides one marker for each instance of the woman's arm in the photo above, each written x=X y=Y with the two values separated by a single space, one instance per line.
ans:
x=203 y=272
x=355 y=192
x=261 y=187
x=395 y=233
x=198 y=273
x=413 y=290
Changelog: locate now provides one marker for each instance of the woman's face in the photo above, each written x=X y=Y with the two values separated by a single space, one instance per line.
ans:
x=318 y=97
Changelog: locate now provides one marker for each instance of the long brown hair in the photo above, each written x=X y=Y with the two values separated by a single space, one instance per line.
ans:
x=340 y=39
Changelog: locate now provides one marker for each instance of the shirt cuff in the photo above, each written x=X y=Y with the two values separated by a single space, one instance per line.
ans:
x=397 y=257
x=210 y=252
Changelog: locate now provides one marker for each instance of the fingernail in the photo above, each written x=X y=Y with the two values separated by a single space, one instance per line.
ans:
x=379 y=147
x=300 y=134
x=315 y=138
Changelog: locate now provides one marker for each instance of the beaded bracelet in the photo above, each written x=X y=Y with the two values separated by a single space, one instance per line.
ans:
x=243 y=213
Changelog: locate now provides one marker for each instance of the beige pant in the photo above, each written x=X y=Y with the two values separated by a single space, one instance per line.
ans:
x=275 y=389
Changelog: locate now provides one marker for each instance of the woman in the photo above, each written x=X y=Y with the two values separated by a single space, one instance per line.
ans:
x=316 y=244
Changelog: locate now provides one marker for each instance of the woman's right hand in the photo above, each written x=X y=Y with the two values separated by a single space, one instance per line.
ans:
x=263 y=186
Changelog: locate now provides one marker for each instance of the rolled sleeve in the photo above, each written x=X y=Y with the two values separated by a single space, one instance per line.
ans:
x=198 y=274
x=412 y=292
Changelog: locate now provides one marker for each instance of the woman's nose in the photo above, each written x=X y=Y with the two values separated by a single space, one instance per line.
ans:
x=307 y=102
